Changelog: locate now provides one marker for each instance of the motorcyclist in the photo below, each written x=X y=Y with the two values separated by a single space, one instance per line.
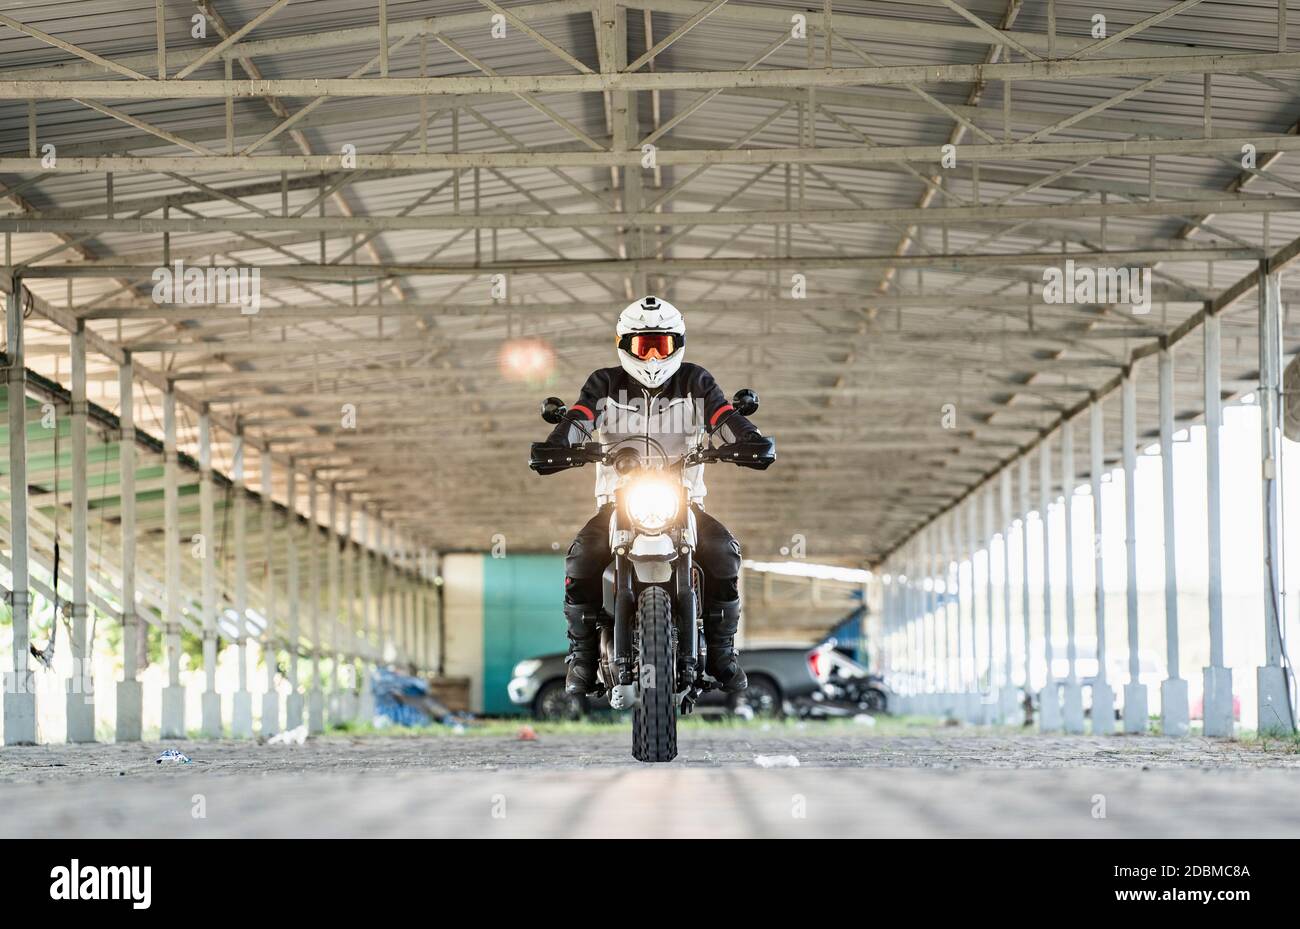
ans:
x=652 y=392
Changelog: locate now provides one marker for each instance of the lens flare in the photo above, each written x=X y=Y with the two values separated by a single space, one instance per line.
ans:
x=652 y=503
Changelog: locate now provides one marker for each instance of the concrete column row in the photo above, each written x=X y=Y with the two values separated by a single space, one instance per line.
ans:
x=356 y=627
x=925 y=586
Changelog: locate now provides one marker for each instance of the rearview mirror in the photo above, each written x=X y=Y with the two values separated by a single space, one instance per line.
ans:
x=745 y=402
x=553 y=410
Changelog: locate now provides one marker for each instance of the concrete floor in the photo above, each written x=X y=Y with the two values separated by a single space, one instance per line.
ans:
x=850 y=782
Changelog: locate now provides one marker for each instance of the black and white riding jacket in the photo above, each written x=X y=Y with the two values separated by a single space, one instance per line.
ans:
x=614 y=406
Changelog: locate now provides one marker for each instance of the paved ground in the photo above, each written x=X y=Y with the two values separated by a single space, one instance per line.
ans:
x=850 y=781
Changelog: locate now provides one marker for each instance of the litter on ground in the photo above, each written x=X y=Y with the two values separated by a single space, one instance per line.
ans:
x=172 y=756
x=295 y=736
x=776 y=761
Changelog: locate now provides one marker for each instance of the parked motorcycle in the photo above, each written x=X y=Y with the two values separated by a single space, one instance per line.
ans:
x=652 y=652
x=845 y=684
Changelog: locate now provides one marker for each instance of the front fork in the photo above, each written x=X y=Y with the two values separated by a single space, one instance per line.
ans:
x=624 y=619
x=688 y=639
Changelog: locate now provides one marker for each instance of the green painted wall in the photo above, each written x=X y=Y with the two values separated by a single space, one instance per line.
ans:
x=522 y=617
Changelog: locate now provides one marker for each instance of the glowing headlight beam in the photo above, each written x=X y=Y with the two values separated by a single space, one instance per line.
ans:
x=652 y=503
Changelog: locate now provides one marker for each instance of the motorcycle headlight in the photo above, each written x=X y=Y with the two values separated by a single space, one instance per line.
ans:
x=527 y=668
x=652 y=503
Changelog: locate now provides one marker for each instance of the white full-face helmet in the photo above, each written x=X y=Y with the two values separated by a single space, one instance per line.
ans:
x=651 y=340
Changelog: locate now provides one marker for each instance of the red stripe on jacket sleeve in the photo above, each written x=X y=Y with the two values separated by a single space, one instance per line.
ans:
x=591 y=417
x=713 y=420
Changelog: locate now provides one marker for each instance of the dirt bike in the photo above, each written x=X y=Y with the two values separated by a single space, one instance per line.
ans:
x=652 y=649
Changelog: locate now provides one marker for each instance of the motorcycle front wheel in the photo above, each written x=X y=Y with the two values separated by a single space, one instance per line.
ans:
x=654 y=720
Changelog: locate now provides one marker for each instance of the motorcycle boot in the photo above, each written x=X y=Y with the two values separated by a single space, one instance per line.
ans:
x=584 y=649
x=722 y=659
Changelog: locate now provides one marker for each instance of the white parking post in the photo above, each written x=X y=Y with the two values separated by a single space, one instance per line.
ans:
x=1103 y=698
x=1135 y=692
x=1072 y=695
x=1173 y=690
x=1049 y=698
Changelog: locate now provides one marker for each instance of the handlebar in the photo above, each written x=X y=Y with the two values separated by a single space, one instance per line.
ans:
x=758 y=454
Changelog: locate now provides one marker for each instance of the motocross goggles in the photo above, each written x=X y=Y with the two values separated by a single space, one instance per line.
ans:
x=645 y=345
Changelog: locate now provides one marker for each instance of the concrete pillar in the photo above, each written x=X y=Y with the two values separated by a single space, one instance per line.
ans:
x=1276 y=715
x=369 y=649
x=1010 y=712
x=1173 y=690
x=1135 y=692
x=315 y=699
x=20 y=684
x=985 y=536
x=333 y=601
x=1049 y=698
x=211 y=705
x=1072 y=693
x=931 y=621
x=81 y=686
x=173 y=695
x=351 y=639
x=293 y=704
x=952 y=680
x=1216 y=678
x=967 y=617
x=375 y=559
x=1027 y=621
x=1103 y=698
x=241 y=710
x=130 y=692
x=271 y=697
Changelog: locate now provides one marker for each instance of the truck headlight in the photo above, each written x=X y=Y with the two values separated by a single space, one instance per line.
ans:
x=527 y=668
x=652 y=503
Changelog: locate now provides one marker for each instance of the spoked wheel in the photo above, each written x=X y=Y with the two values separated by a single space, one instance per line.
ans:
x=552 y=702
x=654 y=720
x=760 y=700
